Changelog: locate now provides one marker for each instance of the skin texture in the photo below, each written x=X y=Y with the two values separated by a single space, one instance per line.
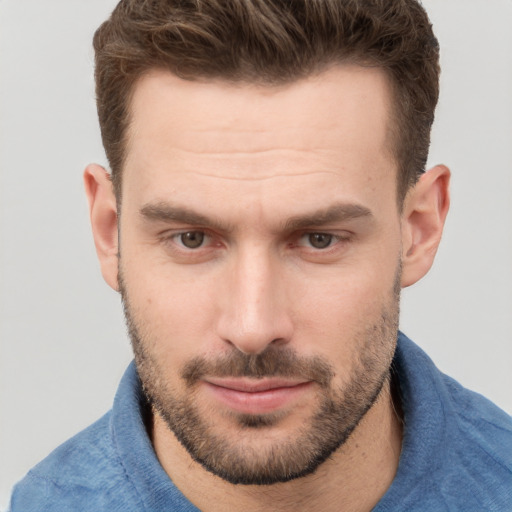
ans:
x=290 y=195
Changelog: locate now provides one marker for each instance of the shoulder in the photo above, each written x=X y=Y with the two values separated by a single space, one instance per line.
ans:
x=481 y=433
x=475 y=456
x=84 y=473
x=457 y=446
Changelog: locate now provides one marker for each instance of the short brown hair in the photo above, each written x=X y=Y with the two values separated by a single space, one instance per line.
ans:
x=270 y=42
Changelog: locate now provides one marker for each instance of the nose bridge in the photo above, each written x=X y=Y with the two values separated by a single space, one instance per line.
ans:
x=255 y=312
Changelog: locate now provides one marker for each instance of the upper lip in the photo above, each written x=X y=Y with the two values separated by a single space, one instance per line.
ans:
x=250 y=385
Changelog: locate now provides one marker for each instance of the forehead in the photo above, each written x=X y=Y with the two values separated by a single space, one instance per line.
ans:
x=329 y=127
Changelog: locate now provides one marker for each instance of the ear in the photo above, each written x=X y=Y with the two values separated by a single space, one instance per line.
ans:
x=424 y=214
x=103 y=215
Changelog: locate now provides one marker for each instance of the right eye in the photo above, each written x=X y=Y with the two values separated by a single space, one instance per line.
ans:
x=319 y=240
x=191 y=239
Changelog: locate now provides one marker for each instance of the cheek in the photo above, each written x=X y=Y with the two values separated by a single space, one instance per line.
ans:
x=173 y=309
x=337 y=313
x=344 y=294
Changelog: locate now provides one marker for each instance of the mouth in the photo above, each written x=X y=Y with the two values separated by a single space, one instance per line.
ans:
x=251 y=396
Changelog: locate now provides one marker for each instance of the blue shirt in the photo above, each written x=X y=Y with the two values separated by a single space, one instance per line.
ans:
x=456 y=454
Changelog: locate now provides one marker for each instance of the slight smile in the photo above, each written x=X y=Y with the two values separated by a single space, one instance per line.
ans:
x=251 y=396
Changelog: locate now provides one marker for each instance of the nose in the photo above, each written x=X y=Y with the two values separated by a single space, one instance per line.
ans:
x=254 y=312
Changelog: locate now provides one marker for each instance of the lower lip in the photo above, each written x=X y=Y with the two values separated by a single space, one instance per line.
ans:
x=257 y=402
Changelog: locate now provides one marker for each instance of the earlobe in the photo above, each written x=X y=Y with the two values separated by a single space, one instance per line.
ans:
x=103 y=216
x=424 y=214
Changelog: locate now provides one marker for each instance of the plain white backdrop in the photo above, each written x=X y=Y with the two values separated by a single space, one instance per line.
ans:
x=63 y=346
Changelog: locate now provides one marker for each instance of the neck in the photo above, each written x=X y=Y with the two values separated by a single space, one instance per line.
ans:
x=354 y=478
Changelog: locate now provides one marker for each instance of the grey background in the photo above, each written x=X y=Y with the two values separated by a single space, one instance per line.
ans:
x=63 y=346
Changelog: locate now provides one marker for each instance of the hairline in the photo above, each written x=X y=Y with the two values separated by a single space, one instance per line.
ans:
x=393 y=131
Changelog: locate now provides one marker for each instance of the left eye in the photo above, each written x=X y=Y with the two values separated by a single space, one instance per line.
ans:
x=319 y=240
x=191 y=239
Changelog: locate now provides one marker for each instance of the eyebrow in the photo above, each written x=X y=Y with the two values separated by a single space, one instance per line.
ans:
x=338 y=212
x=166 y=212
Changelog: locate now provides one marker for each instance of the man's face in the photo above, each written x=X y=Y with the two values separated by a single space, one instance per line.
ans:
x=260 y=263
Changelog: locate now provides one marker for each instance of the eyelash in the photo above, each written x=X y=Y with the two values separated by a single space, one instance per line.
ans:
x=333 y=239
x=337 y=241
x=177 y=238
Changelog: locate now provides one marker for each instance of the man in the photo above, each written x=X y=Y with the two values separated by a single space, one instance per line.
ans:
x=267 y=203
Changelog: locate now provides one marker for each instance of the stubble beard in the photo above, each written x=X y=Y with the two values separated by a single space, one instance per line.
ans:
x=238 y=457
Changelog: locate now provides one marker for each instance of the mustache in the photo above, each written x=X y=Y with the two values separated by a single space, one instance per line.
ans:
x=273 y=362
